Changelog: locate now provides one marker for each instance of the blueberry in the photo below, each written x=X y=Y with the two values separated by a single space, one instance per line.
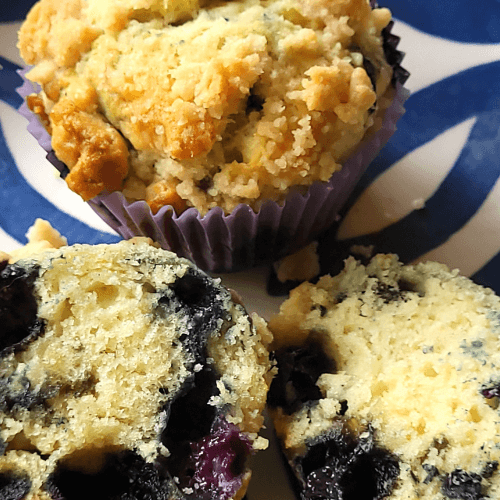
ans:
x=341 y=467
x=190 y=417
x=489 y=469
x=13 y=487
x=18 y=308
x=491 y=391
x=21 y=395
x=390 y=293
x=195 y=296
x=216 y=464
x=207 y=453
x=205 y=184
x=462 y=485
x=125 y=476
x=432 y=472
x=254 y=102
x=298 y=370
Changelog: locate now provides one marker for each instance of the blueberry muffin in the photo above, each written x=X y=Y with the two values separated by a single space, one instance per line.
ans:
x=125 y=372
x=207 y=104
x=389 y=384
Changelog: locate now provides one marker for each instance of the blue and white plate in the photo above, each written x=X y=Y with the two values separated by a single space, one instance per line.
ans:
x=433 y=193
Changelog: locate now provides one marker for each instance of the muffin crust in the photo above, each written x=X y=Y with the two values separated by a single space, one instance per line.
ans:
x=206 y=104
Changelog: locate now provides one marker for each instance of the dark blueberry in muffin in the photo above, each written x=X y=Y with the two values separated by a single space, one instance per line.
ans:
x=213 y=469
x=207 y=452
x=197 y=299
x=254 y=102
x=18 y=395
x=124 y=476
x=13 y=487
x=489 y=469
x=462 y=485
x=298 y=371
x=491 y=391
x=205 y=184
x=344 y=467
x=18 y=308
x=431 y=471
x=124 y=394
x=416 y=384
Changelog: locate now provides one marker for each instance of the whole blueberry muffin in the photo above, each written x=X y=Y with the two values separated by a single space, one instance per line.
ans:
x=206 y=104
x=230 y=132
x=125 y=373
x=388 y=384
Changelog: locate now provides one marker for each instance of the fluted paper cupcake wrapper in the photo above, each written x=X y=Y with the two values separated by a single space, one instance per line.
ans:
x=221 y=243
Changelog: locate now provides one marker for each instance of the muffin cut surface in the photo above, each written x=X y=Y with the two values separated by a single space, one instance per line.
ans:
x=125 y=371
x=388 y=384
x=206 y=104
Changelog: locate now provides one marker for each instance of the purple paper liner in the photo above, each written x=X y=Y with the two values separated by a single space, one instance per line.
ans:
x=243 y=239
x=222 y=243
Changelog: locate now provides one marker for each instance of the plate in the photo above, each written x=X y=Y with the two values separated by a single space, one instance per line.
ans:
x=433 y=192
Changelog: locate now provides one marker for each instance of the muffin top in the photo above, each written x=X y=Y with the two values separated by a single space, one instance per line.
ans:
x=205 y=104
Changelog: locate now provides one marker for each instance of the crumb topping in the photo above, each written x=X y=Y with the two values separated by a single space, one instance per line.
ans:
x=209 y=103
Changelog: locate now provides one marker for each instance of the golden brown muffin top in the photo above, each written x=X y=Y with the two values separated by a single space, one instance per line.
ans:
x=205 y=104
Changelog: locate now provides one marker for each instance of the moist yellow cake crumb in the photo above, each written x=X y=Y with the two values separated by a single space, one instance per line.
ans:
x=119 y=365
x=203 y=103
x=41 y=236
x=300 y=266
x=403 y=366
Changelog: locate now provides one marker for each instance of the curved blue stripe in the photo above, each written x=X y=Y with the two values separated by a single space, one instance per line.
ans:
x=458 y=197
x=460 y=20
x=489 y=275
x=15 y=10
x=9 y=82
x=435 y=109
x=20 y=205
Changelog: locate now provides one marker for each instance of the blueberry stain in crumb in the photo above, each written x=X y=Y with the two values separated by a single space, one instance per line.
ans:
x=13 y=487
x=18 y=308
x=390 y=293
x=342 y=467
x=24 y=396
x=462 y=485
x=125 y=476
x=202 y=305
x=491 y=391
x=298 y=370
x=432 y=472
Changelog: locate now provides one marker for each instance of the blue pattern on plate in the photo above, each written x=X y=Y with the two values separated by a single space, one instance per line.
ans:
x=460 y=20
x=20 y=204
x=9 y=81
x=431 y=111
x=474 y=174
